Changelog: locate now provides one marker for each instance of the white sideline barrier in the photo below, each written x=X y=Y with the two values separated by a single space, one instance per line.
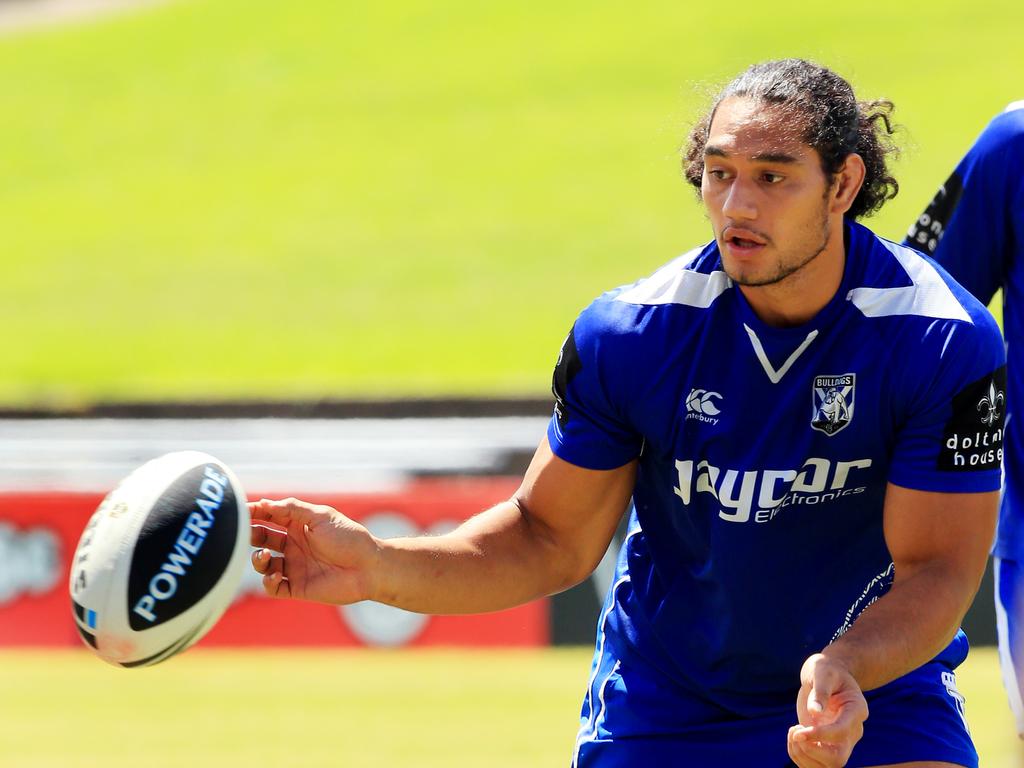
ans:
x=345 y=455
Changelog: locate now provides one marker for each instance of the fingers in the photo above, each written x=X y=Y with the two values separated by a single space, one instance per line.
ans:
x=827 y=688
x=831 y=710
x=263 y=561
x=847 y=728
x=284 y=512
x=265 y=536
x=802 y=715
x=817 y=743
x=809 y=754
x=275 y=583
x=823 y=684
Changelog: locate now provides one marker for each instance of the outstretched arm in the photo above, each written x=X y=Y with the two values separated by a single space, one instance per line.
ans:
x=939 y=544
x=547 y=537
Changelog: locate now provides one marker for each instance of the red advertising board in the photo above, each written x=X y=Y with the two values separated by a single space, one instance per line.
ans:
x=39 y=532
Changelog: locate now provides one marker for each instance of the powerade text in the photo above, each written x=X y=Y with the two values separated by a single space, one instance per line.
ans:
x=190 y=540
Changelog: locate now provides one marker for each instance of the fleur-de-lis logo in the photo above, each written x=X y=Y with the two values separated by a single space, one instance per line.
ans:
x=990 y=404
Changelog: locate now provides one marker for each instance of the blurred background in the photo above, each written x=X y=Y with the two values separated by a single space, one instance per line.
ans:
x=338 y=246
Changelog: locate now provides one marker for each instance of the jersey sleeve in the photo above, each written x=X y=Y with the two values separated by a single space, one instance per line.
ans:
x=968 y=227
x=951 y=437
x=590 y=426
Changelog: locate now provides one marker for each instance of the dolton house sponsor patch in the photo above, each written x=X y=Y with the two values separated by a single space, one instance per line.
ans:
x=973 y=437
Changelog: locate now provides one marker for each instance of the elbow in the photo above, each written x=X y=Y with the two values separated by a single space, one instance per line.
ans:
x=564 y=558
x=949 y=587
x=576 y=574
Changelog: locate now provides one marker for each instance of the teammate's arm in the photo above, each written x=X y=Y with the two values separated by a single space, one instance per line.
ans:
x=939 y=543
x=550 y=535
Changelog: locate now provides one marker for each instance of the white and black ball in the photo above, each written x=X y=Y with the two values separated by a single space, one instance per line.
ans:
x=160 y=559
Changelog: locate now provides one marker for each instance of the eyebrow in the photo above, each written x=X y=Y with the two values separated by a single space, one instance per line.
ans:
x=764 y=157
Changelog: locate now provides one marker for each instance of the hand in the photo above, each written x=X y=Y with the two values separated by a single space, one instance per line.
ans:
x=831 y=710
x=326 y=556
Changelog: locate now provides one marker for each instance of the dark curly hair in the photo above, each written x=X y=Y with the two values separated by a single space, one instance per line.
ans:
x=835 y=124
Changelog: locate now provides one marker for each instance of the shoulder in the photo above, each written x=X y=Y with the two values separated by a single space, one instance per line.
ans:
x=693 y=281
x=999 y=150
x=1006 y=129
x=939 y=335
x=902 y=283
x=626 y=328
x=926 y=318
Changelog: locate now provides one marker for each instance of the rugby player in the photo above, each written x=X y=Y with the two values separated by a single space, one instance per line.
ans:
x=796 y=411
x=974 y=227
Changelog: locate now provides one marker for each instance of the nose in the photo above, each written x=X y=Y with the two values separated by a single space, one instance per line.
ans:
x=740 y=202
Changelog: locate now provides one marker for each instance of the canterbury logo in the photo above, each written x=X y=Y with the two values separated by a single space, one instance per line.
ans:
x=702 y=401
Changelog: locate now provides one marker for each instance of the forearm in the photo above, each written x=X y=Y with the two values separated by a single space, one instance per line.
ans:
x=907 y=627
x=498 y=559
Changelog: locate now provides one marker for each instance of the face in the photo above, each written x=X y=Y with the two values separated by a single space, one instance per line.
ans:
x=765 y=193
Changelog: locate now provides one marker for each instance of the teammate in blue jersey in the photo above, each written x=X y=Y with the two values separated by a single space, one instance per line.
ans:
x=975 y=228
x=808 y=421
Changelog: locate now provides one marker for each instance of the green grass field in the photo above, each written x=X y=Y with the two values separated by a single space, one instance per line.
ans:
x=245 y=198
x=219 y=709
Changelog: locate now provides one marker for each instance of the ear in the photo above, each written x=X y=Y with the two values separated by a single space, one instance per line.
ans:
x=847 y=183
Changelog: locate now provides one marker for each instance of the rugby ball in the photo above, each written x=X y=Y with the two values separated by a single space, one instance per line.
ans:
x=160 y=559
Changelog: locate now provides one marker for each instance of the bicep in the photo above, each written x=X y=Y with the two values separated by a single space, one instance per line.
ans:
x=575 y=510
x=953 y=531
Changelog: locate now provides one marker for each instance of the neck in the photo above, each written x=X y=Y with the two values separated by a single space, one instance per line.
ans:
x=801 y=295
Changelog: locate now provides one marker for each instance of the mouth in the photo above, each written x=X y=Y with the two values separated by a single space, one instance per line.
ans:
x=743 y=241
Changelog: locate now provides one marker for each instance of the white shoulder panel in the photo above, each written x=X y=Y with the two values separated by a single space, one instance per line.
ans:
x=929 y=296
x=675 y=284
x=1015 y=106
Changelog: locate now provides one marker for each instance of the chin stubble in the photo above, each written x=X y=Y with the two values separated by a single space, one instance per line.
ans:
x=785 y=270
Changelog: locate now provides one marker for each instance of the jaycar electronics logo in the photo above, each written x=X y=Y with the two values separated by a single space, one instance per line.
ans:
x=832 y=399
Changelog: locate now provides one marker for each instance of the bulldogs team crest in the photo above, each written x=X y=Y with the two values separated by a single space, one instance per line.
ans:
x=832 y=398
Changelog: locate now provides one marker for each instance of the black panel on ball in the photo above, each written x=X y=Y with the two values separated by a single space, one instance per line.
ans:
x=89 y=637
x=184 y=547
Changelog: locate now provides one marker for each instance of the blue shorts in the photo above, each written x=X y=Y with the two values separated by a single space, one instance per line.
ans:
x=1010 y=623
x=632 y=721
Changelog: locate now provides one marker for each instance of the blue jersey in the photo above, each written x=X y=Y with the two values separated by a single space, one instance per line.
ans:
x=756 y=533
x=975 y=228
